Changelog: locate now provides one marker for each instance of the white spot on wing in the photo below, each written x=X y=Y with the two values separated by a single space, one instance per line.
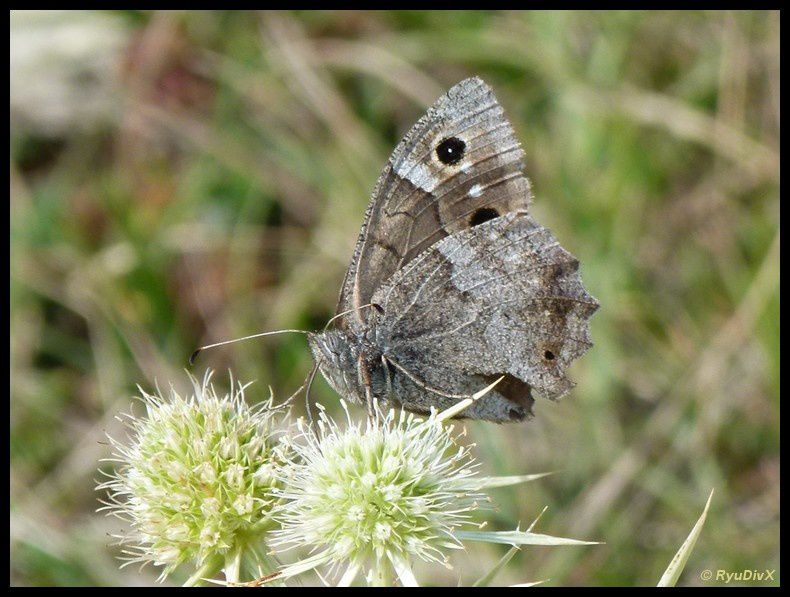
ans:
x=419 y=175
x=476 y=190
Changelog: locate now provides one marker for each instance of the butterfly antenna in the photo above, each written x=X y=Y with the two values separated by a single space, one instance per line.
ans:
x=374 y=305
x=202 y=348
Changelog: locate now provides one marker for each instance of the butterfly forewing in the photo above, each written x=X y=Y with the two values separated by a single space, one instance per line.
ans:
x=459 y=166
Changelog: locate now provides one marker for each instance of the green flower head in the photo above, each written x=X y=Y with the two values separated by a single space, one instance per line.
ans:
x=197 y=480
x=385 y=492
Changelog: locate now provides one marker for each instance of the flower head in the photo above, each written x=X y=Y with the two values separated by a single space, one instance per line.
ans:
x=386 y=492
x=197 y=480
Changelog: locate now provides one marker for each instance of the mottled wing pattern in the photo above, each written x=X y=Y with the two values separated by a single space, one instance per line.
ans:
x=502 y=298
x=458 y=166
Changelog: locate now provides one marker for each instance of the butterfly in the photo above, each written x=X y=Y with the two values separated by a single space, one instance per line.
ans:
x=452 y=284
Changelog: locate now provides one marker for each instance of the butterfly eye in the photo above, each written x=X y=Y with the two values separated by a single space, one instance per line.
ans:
x=450 y=150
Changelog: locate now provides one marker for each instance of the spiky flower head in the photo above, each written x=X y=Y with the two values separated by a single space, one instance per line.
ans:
x=196 y=481
x=377 y=495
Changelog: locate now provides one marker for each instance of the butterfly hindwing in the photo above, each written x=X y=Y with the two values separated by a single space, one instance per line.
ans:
x=499 y=299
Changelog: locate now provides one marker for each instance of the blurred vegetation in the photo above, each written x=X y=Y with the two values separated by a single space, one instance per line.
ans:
x=183 y=178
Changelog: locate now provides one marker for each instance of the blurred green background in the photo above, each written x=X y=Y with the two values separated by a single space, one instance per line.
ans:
x=183 y=178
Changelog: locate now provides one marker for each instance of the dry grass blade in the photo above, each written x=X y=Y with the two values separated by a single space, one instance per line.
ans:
x=675 y=568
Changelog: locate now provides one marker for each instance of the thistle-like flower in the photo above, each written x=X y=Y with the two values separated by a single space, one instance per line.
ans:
x=375 y=497
x=196 y=483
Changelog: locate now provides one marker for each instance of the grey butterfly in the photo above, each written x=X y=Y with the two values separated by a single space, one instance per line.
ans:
x=452 y=284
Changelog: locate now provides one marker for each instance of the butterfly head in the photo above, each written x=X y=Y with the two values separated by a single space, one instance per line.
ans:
x=337 y=360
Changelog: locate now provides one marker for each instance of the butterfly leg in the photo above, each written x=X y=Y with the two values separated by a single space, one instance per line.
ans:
x=422 y=384
x=385 y=364
x=369 y=402
x=364 y=374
